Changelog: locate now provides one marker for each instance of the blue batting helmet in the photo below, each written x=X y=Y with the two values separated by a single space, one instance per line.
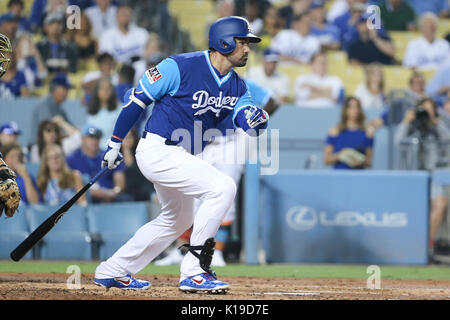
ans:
x=223 y=32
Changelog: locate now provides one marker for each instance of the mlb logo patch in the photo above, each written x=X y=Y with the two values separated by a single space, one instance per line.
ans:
x=153 y=74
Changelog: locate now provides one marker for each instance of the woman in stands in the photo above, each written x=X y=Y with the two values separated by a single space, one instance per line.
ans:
x=13 y=156
x=56 y=182
x=349 y=145
x=371 y=93
x=52 y=131
x=103 y=109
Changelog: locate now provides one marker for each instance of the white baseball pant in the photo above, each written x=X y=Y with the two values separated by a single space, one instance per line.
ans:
x=222 y=154
x=178 y=177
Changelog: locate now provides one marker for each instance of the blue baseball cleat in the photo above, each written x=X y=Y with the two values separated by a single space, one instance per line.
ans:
x=203 y=282
x=125 y=283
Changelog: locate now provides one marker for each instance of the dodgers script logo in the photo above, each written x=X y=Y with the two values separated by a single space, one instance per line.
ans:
x=215 y=104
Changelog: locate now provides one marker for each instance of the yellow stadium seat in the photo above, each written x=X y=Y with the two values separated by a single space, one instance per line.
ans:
x=401 y=40
x=443 y=27
x=396 y=77
x=293 y=70
x=76 y=81
x=194 y=16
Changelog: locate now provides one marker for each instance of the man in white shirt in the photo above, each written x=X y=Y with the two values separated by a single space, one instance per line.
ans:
x=269 y=77
x=427 y=52
x=318 y=89
x=126 y=42
x=102 y=17
x=296 y=45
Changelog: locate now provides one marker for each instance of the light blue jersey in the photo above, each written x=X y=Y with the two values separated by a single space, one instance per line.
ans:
x=190 y=95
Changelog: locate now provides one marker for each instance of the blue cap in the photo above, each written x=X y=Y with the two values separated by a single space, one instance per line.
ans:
x=8 y=17
x=92 y=131
x=10 y=127
x=60 y=79
x=271 y=55
x=317 y=4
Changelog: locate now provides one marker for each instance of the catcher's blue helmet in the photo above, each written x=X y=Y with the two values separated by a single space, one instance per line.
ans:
x=223 y=31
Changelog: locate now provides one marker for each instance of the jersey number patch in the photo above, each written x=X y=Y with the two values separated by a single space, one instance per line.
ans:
x=153 y=74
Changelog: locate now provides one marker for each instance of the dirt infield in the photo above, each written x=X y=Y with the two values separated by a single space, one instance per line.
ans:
x=52 y=286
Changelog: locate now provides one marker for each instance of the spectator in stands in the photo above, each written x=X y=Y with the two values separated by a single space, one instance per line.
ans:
x=318 y=89
x=29 y=60
x=55 y=131
x=423 y=116
x=349 y=145
x=371 y=92
x=105 y=69
x=439 y=86
x=57 y=54
x=326 y=33
x=347 y=22
x=338 y=8
x=270 y=77
x=56 y=181
x=9 y=133
x=126 y=80
x=427 y=51
x=16 y=7
x=43 y=8
x=401 y=100
x=138 y=186
x=51 y=105
x=103 y=109
x=293 y=9
x=87 y=159
x=296 y=44
x=223 y=8
x=252 y=15
x=371 y=46
x=423 y=122
x=397 y=15
x=133 y=39
x=82 y=38
x=438 y=7
x=271 y=27
x=153 y=49
x=13 y=84
x=13 y=156
x=153 y=52
x=102 y=17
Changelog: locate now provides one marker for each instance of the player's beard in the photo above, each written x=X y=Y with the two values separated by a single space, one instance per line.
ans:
x=242 y=62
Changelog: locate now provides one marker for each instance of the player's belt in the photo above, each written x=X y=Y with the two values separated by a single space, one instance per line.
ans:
x=167 y=141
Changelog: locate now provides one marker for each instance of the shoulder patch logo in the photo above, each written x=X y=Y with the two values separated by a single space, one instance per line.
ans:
x=153 y=74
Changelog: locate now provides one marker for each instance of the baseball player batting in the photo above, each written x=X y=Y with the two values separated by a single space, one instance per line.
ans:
x=193 y=93
x=222 y=154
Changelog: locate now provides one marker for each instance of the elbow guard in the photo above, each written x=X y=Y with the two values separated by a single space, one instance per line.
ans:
x=131 y=111
x=137 y=97
x=253 y=118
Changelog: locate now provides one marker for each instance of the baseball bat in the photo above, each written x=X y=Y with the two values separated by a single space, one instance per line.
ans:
x=51 y=221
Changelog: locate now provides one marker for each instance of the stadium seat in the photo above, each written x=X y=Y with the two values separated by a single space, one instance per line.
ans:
x=115 y=223
x=293 y=70
x=401 y=40
x=13 y=231
x=69 y=239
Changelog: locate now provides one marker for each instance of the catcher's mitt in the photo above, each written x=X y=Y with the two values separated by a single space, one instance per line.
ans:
x=9 y=191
